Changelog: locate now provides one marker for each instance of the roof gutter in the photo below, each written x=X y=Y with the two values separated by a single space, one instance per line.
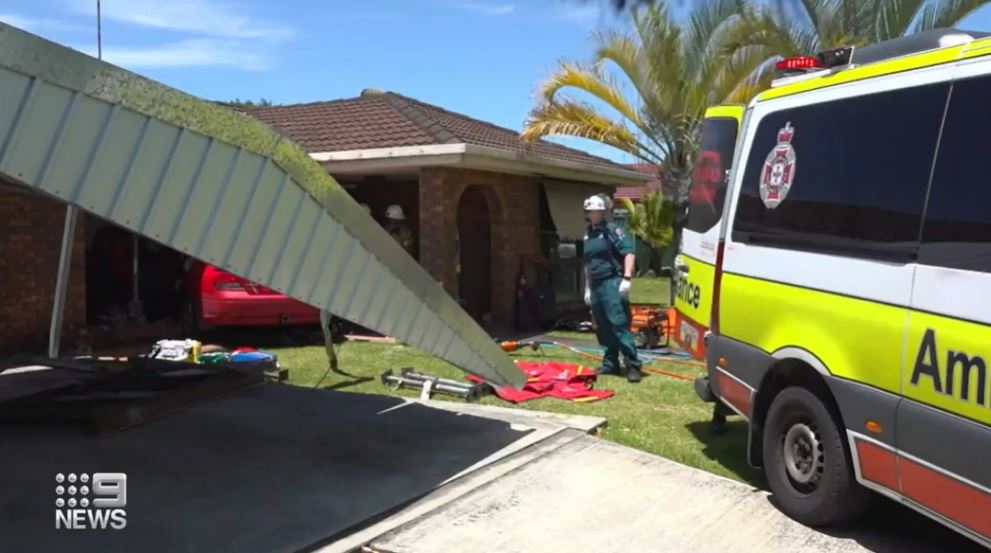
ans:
x=471 y=156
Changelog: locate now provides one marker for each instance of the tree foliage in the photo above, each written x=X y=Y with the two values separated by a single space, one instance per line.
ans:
x=651 y=219
x=260 y=103
x=673 y=71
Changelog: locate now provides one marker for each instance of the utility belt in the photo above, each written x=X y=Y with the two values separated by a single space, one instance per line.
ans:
x=599 y=278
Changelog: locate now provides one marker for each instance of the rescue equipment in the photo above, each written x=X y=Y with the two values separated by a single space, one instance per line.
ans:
x=427 y=384
x=552 y=379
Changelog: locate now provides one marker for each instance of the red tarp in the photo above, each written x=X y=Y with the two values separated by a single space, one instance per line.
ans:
x=552 y=379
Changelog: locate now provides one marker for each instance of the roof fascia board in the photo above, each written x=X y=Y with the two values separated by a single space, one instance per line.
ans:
x=475 y=157
x=390 y=153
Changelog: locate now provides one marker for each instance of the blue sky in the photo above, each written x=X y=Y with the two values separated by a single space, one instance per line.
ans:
x=479 y=57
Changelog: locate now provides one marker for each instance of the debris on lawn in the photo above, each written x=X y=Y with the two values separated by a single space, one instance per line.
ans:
x=552 y=379
x=193 y=351
x=373 y=339
x=427 y=384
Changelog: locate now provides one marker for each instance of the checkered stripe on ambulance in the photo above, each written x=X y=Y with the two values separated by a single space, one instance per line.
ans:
x=852 y=327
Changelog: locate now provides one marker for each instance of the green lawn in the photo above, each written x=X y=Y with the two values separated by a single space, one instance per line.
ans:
x=650 y=290
x=660 y=415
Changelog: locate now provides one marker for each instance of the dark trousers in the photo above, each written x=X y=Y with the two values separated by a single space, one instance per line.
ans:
x=612 y=324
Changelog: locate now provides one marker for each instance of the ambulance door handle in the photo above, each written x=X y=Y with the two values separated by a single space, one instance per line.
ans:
x=681 y=266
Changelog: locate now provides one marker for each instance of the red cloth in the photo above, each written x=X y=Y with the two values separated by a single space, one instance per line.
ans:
x=552 y=379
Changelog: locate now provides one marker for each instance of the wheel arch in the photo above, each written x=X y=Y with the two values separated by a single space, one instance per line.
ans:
x=793 y=366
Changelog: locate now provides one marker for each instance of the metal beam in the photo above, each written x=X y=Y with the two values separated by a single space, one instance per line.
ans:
x=62 y=280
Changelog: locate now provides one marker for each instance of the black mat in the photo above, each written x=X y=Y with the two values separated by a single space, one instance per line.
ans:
x=271 y=468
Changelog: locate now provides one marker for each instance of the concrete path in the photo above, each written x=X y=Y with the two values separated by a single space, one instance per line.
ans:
x=594 y=496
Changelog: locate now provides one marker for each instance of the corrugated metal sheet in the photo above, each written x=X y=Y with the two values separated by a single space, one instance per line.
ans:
x=221 y=187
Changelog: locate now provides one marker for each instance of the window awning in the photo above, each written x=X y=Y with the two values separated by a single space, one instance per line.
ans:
x=565 y=200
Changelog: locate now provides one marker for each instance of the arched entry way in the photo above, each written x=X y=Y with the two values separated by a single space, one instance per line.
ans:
x=475 y=252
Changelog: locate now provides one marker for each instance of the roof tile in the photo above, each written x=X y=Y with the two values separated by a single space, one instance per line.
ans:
x=388 y=120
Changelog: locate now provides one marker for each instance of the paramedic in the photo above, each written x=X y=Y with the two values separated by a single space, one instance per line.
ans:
x=609 y=263
x=398 y=228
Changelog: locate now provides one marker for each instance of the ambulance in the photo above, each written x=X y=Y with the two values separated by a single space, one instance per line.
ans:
x=850 y=319
x=694 y=270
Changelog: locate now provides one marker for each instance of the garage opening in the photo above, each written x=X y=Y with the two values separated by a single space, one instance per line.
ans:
x=132 y=284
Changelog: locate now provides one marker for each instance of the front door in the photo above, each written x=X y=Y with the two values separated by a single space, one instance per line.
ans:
x=475 y=253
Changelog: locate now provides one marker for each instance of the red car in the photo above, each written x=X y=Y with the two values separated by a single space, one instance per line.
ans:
x=215 y=298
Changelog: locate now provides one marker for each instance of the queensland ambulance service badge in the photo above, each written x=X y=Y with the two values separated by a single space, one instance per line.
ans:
x=779 y=169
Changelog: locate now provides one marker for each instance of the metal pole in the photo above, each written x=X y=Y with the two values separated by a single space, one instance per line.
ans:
x=68 y=240
x=99 y=32
x=62 y=281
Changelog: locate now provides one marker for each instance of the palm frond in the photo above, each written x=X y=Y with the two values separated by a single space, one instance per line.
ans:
x=592 y=81
x=895 y=17
x=651 y=220
x=946 y=13
x=573 y=118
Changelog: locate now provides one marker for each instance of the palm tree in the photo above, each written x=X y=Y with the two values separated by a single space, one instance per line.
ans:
x=651 y=220
x=801 y=27
x=674 y=71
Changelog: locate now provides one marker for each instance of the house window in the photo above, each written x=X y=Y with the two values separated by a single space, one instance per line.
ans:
x=566 y=268
x=564 y=253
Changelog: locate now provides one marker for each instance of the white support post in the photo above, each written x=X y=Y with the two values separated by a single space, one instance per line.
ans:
x=62 y=281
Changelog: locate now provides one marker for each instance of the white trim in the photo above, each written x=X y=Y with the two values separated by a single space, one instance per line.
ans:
x=729 y=403
x=390 y=153
x=897 y=496
x=793 y=352
x=917 y=460
x=472 y=156
x=782 y=81
x=852 y=438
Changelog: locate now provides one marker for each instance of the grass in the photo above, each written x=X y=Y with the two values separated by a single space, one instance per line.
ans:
x=661 y=415
x=651 y=290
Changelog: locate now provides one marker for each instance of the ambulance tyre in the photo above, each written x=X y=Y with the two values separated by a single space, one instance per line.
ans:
x=806 y=463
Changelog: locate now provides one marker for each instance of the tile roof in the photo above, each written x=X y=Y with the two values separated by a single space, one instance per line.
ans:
x=638 y=192
x=387 y=120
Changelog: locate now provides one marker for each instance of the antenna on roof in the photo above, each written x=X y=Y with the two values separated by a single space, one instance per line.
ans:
x=99 y=32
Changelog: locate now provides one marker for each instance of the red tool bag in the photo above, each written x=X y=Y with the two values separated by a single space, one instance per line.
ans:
x=552 y=379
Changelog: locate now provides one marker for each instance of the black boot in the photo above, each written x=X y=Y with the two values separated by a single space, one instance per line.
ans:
x=634 y=375
x=718 y=425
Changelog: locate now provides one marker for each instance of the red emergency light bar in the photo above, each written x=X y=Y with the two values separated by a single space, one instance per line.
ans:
x=823 y=60
x=799 y=63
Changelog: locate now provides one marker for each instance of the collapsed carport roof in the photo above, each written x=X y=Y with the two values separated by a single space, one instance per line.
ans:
x=221 y=187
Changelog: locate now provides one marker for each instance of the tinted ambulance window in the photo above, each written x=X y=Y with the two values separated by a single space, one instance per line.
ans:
x=848 y=176
x=708 y=188
x=957 y=230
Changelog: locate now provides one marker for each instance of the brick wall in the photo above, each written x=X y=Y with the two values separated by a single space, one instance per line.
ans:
x=514 y=204
x=30 y=240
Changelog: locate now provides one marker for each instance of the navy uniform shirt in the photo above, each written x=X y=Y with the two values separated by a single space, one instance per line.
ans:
x=606 y=244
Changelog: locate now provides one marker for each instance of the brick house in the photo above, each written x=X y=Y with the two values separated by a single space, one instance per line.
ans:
x=637 y=193
x=453 y=175
x=30 y=238
x=480 y=202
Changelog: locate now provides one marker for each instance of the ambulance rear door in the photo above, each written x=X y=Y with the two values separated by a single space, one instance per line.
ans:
x=694 y=272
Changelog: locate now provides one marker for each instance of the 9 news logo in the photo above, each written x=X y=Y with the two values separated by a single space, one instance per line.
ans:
x=90 y=502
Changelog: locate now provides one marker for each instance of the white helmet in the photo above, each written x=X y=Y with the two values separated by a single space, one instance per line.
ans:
x=594 y=203
x=395 y=212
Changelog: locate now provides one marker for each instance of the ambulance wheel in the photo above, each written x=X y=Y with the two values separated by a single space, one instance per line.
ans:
x=806 y=462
